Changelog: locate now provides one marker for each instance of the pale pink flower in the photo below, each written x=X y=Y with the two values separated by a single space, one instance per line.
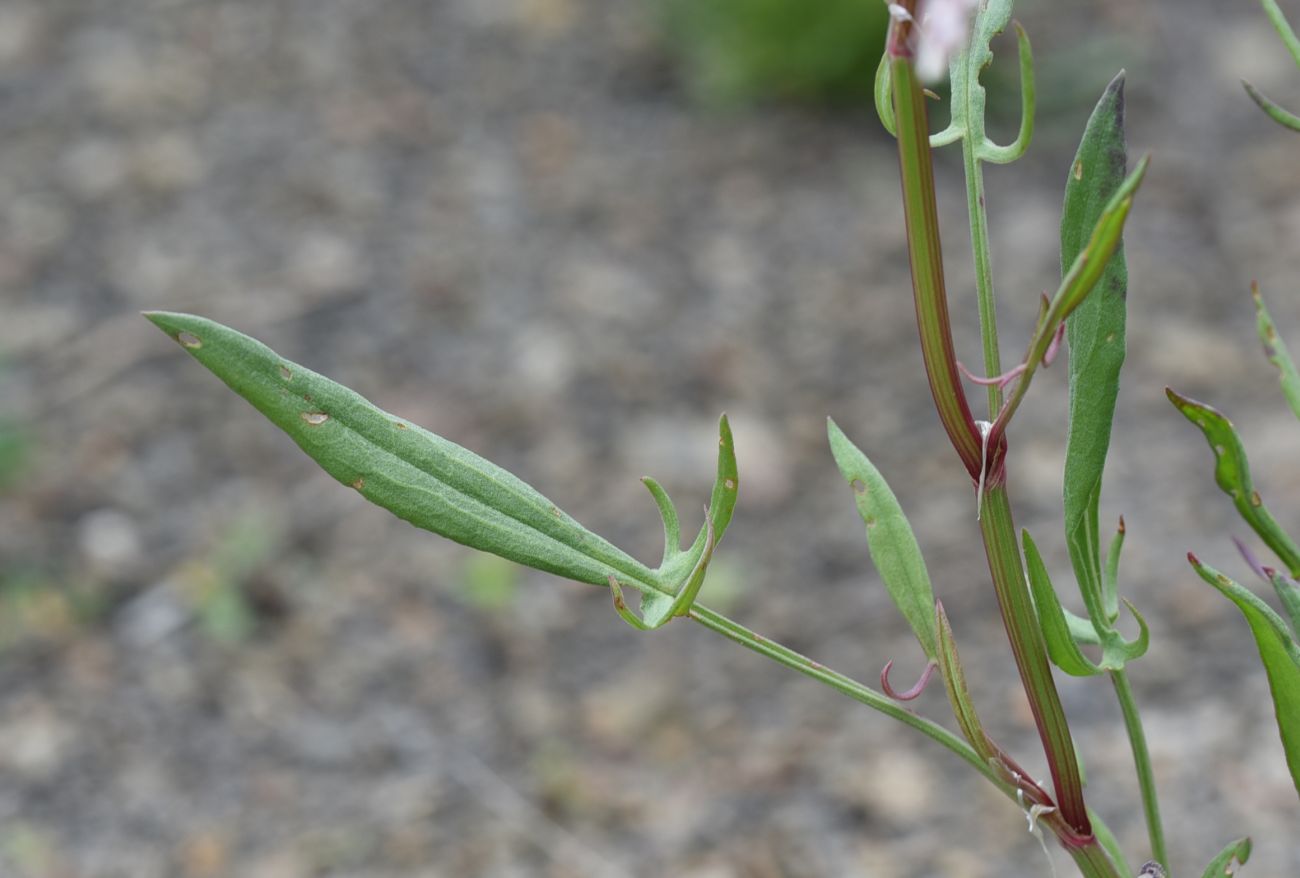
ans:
x=945 y=27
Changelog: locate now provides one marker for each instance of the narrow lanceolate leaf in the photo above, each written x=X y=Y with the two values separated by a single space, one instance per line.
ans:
x=418 y=476
x=1283 y=28
x=1226 y=863
x=1064 y=631
x=1292 y=43
x=954 y=681
x=1232 y=474
x=1275 y=350
x=892 y=543
x=1061 y=645
x=1278 y=651
x=1289 y=594
x=1095 y=334
x=1272 y=108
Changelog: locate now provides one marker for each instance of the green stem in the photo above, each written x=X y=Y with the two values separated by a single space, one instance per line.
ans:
x=720 y=624
x=1027 y=645
x=1087 y=852
x=979 y=241
x=1274 y=13
x=922 y=218
x=1142 y=761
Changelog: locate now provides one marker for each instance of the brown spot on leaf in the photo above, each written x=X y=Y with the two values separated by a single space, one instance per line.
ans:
x=285 y=373
x=315 y=419
x=729 y=484
x=1255 y=499
x=1078 y=170
x=359 y=483
x=189 y=340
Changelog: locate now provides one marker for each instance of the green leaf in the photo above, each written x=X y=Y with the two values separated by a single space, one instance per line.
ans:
x=884 y=98
x=1283 y=28
x=1110 y=843
x=1061 y=645
x=1289 y=595
x=1292 y=43
x=954 y=681
x=425 y=479
x=890 y=539
x=1226 y=863
x=1232 y=474
x=1278 y=651
x=969 y=100
x=1095 y=334
x=1110 y=581
x=1275 y=350
x=1272 y=108
x=1064 y=631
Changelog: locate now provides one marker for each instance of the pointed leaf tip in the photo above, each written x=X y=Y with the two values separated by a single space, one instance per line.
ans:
x=1237 y=853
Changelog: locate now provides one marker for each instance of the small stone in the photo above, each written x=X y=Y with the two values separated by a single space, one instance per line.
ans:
x=109 y=540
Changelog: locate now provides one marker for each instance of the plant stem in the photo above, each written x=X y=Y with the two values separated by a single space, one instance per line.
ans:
x=1142 y=762
x=1283 y=29
x=732 y=630
x=1086 y=851
x=925 y=251
x=979 y=241
x=999 y=532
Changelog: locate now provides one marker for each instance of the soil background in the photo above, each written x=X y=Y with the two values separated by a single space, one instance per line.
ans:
x=503 y=220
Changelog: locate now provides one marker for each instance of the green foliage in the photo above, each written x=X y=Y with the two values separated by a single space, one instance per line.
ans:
x=744 y=49
x=893 y=546
x=1095 y=334
x=733 y=51
x=1226 y=863
x=1276 y=351
x=1279 y=115
x=1232 y=474
x=436 y=484
x=1278 y=651
x=969 y=97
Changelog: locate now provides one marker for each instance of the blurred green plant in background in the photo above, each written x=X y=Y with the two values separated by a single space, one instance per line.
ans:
x=735 y=51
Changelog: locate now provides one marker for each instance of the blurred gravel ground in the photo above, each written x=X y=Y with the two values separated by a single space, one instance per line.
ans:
x=500 y=219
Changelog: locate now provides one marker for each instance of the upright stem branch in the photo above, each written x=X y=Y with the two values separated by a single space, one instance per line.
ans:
x=979 y=240
x=839 y=682
x=931 y=298
x=1142 y=761
x=950 y=399
x=999 y=532
x=1087 y=852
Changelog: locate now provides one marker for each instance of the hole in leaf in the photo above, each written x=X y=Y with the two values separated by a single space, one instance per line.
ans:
x=285 y=373
x=315 y=418
x=859 y=486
